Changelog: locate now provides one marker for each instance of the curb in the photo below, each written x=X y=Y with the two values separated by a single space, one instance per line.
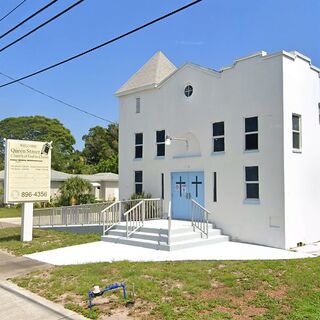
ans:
x=25 y=294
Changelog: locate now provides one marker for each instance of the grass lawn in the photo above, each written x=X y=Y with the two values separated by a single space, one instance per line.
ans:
x=189 y=290
x=42 y=240
x=10 y=212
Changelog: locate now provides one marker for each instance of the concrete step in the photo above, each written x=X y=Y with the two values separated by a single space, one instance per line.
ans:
x=193 y=235
x=140 y=235
x=137 y=242
x=186 y=235
x=143 y=229
x=198 y=242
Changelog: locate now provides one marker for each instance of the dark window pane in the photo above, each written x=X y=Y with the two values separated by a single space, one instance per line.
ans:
x=161 y=136
x=138 y=153
x=252 y=191
x=252 y=173
x=160 y=149
x=138 y=188
x=188 y=90
x=251 y=124
x=218 y=144
x=218 y=129
x=138 y=176
x=139 y=138
x=252 y=141
x=296 y=140
x=296 y=123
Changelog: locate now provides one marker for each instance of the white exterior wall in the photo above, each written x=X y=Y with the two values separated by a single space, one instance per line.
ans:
x=252 y=87
x=110 y=190
x=302 y=170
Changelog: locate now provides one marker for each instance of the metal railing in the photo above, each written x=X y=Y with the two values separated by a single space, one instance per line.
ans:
x=135 y=218
x=139 y=211
x=70 y=215
x=111 y=216
x=200 y=218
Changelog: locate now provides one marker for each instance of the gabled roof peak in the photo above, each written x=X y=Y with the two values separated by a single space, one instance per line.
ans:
x=150 y=74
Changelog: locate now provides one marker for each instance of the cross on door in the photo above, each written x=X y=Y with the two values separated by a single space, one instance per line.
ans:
x=196 y=183
x=180 y=183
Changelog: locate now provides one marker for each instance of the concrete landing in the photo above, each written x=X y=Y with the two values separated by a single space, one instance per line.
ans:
x=110 y=252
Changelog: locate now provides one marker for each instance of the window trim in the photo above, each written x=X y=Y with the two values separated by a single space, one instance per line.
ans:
x=246 y=182
x=219 y=137
x=138 y=145
x=250 y=133
x=297 y=150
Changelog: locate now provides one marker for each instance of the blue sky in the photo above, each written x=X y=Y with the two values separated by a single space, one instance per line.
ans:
x=212 y=33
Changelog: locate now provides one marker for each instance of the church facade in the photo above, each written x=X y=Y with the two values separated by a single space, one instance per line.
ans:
x=242 y=141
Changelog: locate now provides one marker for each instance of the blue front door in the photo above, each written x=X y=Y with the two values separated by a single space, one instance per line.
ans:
x=184 y=187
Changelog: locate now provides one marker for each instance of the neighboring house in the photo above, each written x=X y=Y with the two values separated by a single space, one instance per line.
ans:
x=244 y=143
x=104 y=185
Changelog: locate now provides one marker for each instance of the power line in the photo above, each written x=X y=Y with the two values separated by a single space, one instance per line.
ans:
x=15 y=8
x=103 y=44
x=27 y=19
x=58 y=100
x=41 y=25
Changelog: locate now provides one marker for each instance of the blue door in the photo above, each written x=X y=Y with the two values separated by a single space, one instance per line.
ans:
x=184 y=187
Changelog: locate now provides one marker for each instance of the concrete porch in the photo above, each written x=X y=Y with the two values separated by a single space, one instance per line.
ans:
x=154 y=234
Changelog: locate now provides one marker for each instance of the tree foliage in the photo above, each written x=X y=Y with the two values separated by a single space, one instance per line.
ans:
x=39 y=128
x=101 y=143
x=73 y=190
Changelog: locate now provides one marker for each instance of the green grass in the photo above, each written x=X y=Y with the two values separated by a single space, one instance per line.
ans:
x=259 y=290
x=42 y=240
x=10 y=212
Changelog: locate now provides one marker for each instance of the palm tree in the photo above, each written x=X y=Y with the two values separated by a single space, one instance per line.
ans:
x=73 y=188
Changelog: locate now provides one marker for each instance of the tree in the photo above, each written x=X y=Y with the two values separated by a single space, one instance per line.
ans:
x=73 y=190
x=39 y=128
x=101 y=147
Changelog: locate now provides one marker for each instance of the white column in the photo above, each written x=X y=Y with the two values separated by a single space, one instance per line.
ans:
x=27 y=221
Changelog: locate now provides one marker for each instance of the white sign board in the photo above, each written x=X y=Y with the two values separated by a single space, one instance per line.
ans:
x=27 y=171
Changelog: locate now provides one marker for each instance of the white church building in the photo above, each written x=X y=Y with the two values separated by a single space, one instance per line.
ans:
x=244 y=142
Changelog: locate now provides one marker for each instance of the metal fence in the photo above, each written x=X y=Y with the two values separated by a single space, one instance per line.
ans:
x=71 y=215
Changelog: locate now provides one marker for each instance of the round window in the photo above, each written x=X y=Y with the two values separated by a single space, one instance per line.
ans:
x=188 y=90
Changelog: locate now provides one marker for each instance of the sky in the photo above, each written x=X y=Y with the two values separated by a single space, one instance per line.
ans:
x=212 y=33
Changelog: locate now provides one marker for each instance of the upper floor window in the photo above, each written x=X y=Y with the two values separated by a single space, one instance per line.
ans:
x=188 y=90
x=138 y=182
x=252 y=182
x=160 y=140
x=218 y=136
x=251 y=133
x=138 y=105
x=138 y=145
x=296 y=132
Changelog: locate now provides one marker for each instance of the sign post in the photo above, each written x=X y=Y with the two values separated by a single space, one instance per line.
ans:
x=27 y=178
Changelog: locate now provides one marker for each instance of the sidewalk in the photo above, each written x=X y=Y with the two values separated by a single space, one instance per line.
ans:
x=20 y=304
x=15 y=222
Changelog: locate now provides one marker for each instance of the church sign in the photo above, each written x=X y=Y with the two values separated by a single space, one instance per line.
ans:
x=27 y=171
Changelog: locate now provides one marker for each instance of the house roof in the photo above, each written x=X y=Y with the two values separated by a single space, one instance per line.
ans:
x=150 y=75
x=62 y=176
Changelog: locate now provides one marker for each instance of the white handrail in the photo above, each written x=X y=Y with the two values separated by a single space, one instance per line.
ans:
x=138 y=204
x=114 y=211
x=135 y=218
x=201 y=220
